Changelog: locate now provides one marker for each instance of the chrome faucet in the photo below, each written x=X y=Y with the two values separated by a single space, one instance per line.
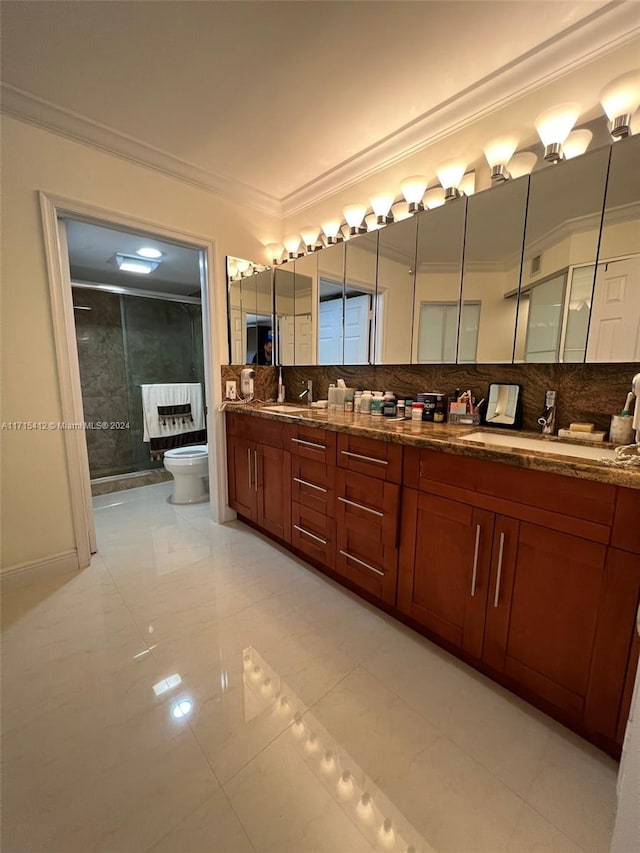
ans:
x=547 y=419
x=307 y=392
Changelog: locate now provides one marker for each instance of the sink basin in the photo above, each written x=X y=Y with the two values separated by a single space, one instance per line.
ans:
x=556 y=448
x=286 y=410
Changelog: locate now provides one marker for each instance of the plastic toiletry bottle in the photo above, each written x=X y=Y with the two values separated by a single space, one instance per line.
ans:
x=376 y=404
x=365 y=403
x=281 y=390
x=408 y=403
x=331 y=396
x=348 y=402
x=357 y=402
x=416 y=411
x=389 y=404
x=400 y=408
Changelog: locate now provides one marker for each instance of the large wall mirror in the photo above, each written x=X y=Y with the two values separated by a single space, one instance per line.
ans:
x=360 y=278
x=436 y=306
x=250 y=313
x=394 y=293
x=330 y=334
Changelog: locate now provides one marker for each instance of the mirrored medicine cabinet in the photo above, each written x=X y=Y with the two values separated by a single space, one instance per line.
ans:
x=544 y=268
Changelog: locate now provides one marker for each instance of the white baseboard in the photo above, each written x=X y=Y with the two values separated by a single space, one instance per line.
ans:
x=34 y=571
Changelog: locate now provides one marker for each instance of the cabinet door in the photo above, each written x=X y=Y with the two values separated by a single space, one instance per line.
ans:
x=444 y=567
x=242 y=468
x=274 y=491
x=542 y=614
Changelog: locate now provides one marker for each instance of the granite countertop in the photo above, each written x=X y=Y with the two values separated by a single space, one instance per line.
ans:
x=447 y=438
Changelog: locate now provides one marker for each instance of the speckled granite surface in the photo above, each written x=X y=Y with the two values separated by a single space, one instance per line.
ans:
x=448 y=439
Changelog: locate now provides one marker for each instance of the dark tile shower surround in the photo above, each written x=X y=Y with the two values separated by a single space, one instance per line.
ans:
x=586 y=392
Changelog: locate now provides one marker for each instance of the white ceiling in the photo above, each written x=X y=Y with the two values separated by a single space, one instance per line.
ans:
x=261 y=100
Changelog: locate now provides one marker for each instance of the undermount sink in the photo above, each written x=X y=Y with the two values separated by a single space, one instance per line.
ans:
x=542 y=445
x=286 y=410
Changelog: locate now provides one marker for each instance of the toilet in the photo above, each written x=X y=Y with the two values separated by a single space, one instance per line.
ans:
x=189 y=467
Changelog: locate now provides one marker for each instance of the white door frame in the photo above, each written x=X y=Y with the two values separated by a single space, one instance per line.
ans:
x=52 y=208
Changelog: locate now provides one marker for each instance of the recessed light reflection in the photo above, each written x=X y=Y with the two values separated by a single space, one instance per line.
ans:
x=364 y=809
x=167 y=684
x=328 y=763
x=312 y=744
x=345 y=786
x=181 y=709
x=386 y=835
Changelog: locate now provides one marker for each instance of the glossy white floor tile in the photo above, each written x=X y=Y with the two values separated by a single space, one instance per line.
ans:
x=199 y=689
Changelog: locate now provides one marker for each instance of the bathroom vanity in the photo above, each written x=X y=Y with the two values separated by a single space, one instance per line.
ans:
x=524 y=563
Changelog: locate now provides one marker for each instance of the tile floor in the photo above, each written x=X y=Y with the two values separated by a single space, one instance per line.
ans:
x=199 y=689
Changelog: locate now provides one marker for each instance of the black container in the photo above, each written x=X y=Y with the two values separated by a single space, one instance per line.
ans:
x=433 y=406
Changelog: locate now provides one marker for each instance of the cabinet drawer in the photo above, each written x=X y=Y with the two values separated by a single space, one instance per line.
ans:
x=312 y=443
x=368 y=505
x=255 y=428
x=372 y=570
x=313 y=484
x=313 y=534
x=379 y=459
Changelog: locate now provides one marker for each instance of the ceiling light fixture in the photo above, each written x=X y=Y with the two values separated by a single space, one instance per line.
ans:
x=148 y=252
x=292 y=244
x=413 y=189
x=498 y=152
x=554 y=126
x=381 y=205
x=522 y=163
x=620 y=99
x=140 y=266
x=450 y=174
x=310 y=234
x=354 y=214
x=330 y=229
x=576 y=143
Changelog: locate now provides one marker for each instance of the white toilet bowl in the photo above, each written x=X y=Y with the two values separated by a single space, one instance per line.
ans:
x=189 y=467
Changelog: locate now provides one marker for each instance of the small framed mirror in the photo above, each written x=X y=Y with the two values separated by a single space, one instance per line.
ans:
x=504 y=406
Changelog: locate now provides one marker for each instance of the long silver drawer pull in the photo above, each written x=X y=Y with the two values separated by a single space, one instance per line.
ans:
x=249 y=466
x=255 y=468
x=311 y=485
x=362 y=563
x=309 y=443
x=499 y=578
x=365 y=458
x=312 y=535
x=475 y=562
x=360 y=506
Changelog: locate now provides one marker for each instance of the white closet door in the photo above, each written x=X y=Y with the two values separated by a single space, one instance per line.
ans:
x=330 y=332
x=614 y=330
x=356 y=329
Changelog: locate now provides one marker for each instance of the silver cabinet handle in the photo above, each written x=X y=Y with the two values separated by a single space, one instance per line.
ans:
x=309 y=443
x=312 y=535
x=249 y=466
x=475 y=562
x=499 y=578
x=311 y=485
x=365 y=458
x=255 y=468
x=362 y=563
x=360 y=506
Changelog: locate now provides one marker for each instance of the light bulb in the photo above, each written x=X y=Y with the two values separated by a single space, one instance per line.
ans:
x=468 y=183
x=400 y=211
x=242 y=265
x=498 y=152
x=148 y=252
x=181 y=709
x=330 y=229
x=232 y=272
x=413 y=189
x=274 y=252
x=434 y=198
x=522 y=164
x=354 y=214
x=620 y=99
x=310 y=234
x=450 y=173
x=386 y=835
x=554 y=126
x=576 y=143
x=345 y=786
x=372 y=222
x=328 y=763
x=364 y=809
x=291 y=244
x=381 y=205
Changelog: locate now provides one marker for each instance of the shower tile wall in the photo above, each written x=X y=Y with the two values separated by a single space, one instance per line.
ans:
x=123 y=343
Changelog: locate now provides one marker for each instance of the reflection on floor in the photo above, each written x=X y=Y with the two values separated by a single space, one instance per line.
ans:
x=143 y=709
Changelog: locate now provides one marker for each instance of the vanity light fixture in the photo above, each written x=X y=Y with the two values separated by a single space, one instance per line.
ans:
x=620 y=99
x=148 y=252
x=434 y=198
x=468 y=183
x=354 y=214
x=292 y=244
x=381 y=206
x=386 y=835
x=450 y=174
x=522 y=163
x=576 y=143
x=373 y=222
x=331 y=231
x=245 y=268
x=131 y=263
x=554 y=126
x=413 y=189
x=400 y=211
x=310 y=234
x=498 y=152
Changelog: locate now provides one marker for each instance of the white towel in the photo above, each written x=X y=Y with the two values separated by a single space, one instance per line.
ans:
x=175 y=394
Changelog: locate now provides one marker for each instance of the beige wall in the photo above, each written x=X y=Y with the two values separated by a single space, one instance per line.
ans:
x=36 y=511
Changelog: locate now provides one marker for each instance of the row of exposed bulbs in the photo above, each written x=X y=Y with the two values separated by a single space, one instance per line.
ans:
x=346 y=788
x=619 y=99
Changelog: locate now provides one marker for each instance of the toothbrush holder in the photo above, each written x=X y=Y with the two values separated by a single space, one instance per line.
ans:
x=621 y=430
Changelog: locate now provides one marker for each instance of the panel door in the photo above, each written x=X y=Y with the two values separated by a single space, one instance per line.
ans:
x=357 y=314
x=542 y=614
x=242 y=476
x=613 y=329
x=274 y=491
x=445 y=552
x=330 y=332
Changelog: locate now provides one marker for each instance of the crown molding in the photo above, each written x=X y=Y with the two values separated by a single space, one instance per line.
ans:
x=41 y=113
x=609 y=28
